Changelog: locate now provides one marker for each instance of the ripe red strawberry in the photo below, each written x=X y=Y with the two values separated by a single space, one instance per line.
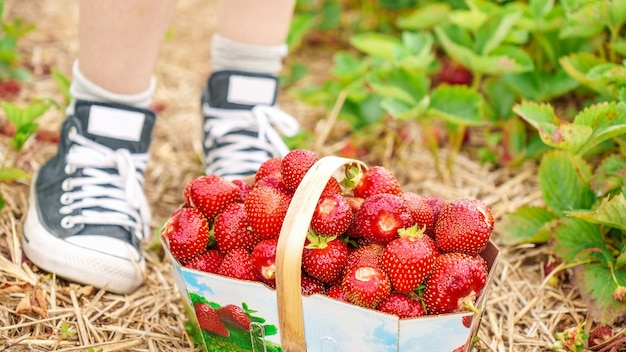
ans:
x=452 y=72
x=375 y=180
x=422 y=212
x=295 y=165
x=186 y=233
x=275 y=181
x=464 y=225
x=332 y=215
x=266 y=208
x=264 y=260
x=232 y=229
x=366 y=286
x=401 y=305
x=409 y=259
x=208 y=261
x=353 y=228
x=237 y=264
x=436 y=204
x=268 y=167
x=366 y=255
x=235 y=316
x=337 y=293
x=244 y=189
x=381 y=216
x=210 y=194
x=455 y=283
x=323 y=258
x=332 y=187
x=309 y=286
x=209 y=321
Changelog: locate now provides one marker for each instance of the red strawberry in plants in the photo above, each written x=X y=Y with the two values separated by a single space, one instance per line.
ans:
x=409 y=259
x=464 y=225
x=237 y=264
x=401 y=305
x=452 y=72
x=295 y=165
x=366 y=286
x=208 y=261
x=264 y=260
x=209 y=321
x=375 y=180
x=235 y=316
x=232 y=229
x=381 y=216
x=211 y=194
x=186 y=233
x=266 y=208
x=332 y=215
x=422 y=212
x=455 y=283
x=323 y=258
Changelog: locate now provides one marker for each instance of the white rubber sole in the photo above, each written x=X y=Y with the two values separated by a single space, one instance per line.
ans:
x=82 y=262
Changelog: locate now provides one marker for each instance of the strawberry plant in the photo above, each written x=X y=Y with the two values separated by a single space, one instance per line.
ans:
x=583 y=184
x=10 y=71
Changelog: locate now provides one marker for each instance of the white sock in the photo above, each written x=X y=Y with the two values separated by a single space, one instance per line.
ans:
x=230 y=55
x=84 y=89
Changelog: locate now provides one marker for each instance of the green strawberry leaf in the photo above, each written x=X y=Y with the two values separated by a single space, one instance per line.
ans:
x=535 y=113
x=493 y=32
x=610 y=213
x=400 y=110
x=377 y=44
x=563 y=180
x=425 y=17
x=416 y=54
x=540 y=85
x=500 y=96
x=457 y=104
x=597 y=286
x=523 y=225
x=540 y=8
x=610 y=174
x=578 y=65
x=619 y=46
x=402 y=85
x=576 y=240
x=348 y=67
x=8 y=174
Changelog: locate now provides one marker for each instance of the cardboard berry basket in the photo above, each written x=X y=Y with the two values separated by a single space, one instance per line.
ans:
x=284 y=320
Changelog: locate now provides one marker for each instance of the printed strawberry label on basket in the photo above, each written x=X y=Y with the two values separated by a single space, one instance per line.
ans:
x=326 y=254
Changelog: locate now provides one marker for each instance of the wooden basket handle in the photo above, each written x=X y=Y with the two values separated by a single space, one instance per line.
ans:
x=290 y=245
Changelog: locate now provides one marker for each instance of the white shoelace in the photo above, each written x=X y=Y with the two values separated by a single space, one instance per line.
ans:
x=235 y=155
x=120 y=196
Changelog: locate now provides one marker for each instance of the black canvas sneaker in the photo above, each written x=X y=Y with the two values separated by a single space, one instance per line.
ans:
x=242 y=123
x=88 y=212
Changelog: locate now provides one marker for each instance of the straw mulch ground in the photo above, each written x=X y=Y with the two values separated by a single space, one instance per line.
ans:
x=41 y=312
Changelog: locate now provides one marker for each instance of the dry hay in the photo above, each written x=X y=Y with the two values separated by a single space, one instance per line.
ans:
x=41 y=312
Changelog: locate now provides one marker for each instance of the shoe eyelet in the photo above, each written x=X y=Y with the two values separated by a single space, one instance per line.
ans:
x=67 y=222
x=66 y=185
x=69 y=169
x=66 y=199
x=65 y=210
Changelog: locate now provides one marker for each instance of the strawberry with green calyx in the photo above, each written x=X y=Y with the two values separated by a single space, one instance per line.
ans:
x=266 y=208
x=323 y=257
x=366 y=286
x=210 y=194
x=375 y=180
x=464 y=225
x=455 y=283
x=381 y=216
x=232 y=229
x=408 y=260
x=234 y=316
x=402 y=306
x=332 y=215
x=295 y=165
x=186 y=233
x=422 y=212
x=264 y=260
x=209 y=321
x=237 y=264
x=209 y=261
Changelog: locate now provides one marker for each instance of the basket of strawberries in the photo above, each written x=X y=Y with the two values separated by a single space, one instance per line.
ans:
x=328 y=254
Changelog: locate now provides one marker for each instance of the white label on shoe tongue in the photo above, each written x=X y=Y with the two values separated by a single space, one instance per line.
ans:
x=251 y=90
x=115 y=123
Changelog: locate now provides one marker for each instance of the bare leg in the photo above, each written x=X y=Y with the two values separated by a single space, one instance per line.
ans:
x=255 y=22
x=119 y=41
